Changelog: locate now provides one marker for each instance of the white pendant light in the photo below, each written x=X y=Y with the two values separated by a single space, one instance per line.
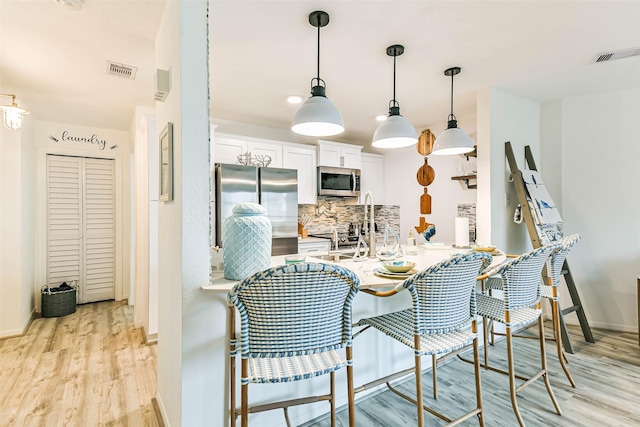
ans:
x=318 y=116
x=395 y=131
x=453 y=140
x=13 y=113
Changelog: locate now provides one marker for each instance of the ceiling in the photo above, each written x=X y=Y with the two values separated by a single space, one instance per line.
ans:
x=54 y=59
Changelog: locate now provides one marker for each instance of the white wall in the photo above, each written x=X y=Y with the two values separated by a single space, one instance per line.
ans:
x=115 y=146
x=145 y=187
x=17 y=231
x=600 y=152
x=503 y=117
x=402 y=188
x=191 y=345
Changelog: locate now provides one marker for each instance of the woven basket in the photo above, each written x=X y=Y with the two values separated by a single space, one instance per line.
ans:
x=56 y=304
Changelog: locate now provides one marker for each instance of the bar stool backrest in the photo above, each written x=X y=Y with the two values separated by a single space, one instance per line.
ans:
x=522 y=278
x=444 y=297
x=295 y=309
x=556 y=260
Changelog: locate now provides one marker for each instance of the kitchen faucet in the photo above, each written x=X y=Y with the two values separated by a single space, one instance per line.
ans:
x=372 y=228
x=335 y=239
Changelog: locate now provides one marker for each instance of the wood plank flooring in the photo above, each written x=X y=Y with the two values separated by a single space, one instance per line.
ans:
x=607 y=375
x=90 y=368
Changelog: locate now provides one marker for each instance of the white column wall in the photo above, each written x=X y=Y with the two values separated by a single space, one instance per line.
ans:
x=191 y=350
x=146 y=227
x=503 y=117
x=17 y=225
x=600 y=152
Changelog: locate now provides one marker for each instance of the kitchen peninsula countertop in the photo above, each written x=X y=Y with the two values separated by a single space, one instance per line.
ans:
x=426 y=256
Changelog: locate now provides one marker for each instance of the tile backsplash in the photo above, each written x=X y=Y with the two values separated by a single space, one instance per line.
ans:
x=336 y=213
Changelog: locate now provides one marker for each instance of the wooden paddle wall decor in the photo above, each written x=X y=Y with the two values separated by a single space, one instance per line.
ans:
x=425 y=176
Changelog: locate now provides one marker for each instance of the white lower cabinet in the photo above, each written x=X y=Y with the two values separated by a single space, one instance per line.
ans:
x=303 y=159
x=372 y=177
x=314 y=247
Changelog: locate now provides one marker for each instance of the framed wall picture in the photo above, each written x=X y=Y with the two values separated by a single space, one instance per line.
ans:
x=166 y=163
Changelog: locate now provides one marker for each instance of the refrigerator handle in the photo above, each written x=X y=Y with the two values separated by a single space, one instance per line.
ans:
x=353 y=180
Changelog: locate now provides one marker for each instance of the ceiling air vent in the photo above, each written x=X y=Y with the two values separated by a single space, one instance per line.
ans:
x=618 y=54
x=121 y=70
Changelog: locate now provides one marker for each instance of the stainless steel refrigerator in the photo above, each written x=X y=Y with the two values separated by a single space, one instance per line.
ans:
x=274 y=188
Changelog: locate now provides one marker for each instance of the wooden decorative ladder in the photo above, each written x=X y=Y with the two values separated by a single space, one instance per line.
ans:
x=518 y=182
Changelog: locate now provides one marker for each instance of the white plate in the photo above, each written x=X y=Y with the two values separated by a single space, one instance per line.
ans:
x=383 y=272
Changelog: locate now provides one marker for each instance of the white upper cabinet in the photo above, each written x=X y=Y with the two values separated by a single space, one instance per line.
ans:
x=339 y=155
x=266 y=148
x=228 y=147
x=303 y=159
x=372 y=177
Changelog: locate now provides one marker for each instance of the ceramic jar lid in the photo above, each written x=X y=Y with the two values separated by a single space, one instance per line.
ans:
x=248 y=209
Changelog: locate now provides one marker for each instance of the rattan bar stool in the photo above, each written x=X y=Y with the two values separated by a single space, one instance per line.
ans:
x=520 y=306
x=442 y=320
x=295 y=320
x=549 y=291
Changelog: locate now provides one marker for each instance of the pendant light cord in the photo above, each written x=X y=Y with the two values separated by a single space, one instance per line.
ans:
x=318 y=50
x=394 y=81
x=451 y=116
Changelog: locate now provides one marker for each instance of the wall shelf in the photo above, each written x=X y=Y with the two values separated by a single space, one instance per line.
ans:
x=466 y=179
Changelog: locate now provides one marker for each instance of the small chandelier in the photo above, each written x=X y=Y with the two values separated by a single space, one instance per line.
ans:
x=318 y=116
x=453 y=140
x=12 y=113
x=395 y=131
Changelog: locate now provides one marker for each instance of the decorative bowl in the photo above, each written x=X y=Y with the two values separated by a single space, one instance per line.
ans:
x=294 y=259
x=399 y=266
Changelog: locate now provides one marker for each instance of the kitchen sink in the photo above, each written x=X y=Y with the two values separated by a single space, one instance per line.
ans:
x=338 y=256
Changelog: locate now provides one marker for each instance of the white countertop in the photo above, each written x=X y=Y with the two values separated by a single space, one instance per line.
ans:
x=427 y=256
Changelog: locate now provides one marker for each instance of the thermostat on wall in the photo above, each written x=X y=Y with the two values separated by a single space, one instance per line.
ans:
x=161 y=84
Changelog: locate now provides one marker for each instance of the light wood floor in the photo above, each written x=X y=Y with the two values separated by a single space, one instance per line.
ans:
x=607 y=375
x=90 y=368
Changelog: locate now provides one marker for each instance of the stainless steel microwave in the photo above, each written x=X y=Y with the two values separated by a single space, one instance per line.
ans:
x=340 y=182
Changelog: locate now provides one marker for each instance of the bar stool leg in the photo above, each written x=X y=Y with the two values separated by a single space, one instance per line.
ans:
x=350 y=390
x=418 y=372
x=485 y=330
x=558 y=336
x=476 y=368
x=332 y=376
x=434 y=365
x=543 y=359
x=512 y=377
x=244 y=395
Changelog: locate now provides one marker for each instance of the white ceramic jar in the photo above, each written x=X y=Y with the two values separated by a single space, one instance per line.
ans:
x=246 y=237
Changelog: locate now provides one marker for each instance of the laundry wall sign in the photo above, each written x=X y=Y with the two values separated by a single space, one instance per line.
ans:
x=93 y=139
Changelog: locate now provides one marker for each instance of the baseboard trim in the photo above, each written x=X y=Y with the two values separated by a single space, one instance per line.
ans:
x=160 y=412
x=149 y=339
x=22 y=330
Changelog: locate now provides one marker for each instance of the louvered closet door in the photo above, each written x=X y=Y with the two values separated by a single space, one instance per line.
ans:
x=81 y=225
x=64 y=219
x=99 y=231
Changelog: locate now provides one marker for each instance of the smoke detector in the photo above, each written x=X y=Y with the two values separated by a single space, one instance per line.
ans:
x=616 y=54
x=71 y=4
x=121 y=70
